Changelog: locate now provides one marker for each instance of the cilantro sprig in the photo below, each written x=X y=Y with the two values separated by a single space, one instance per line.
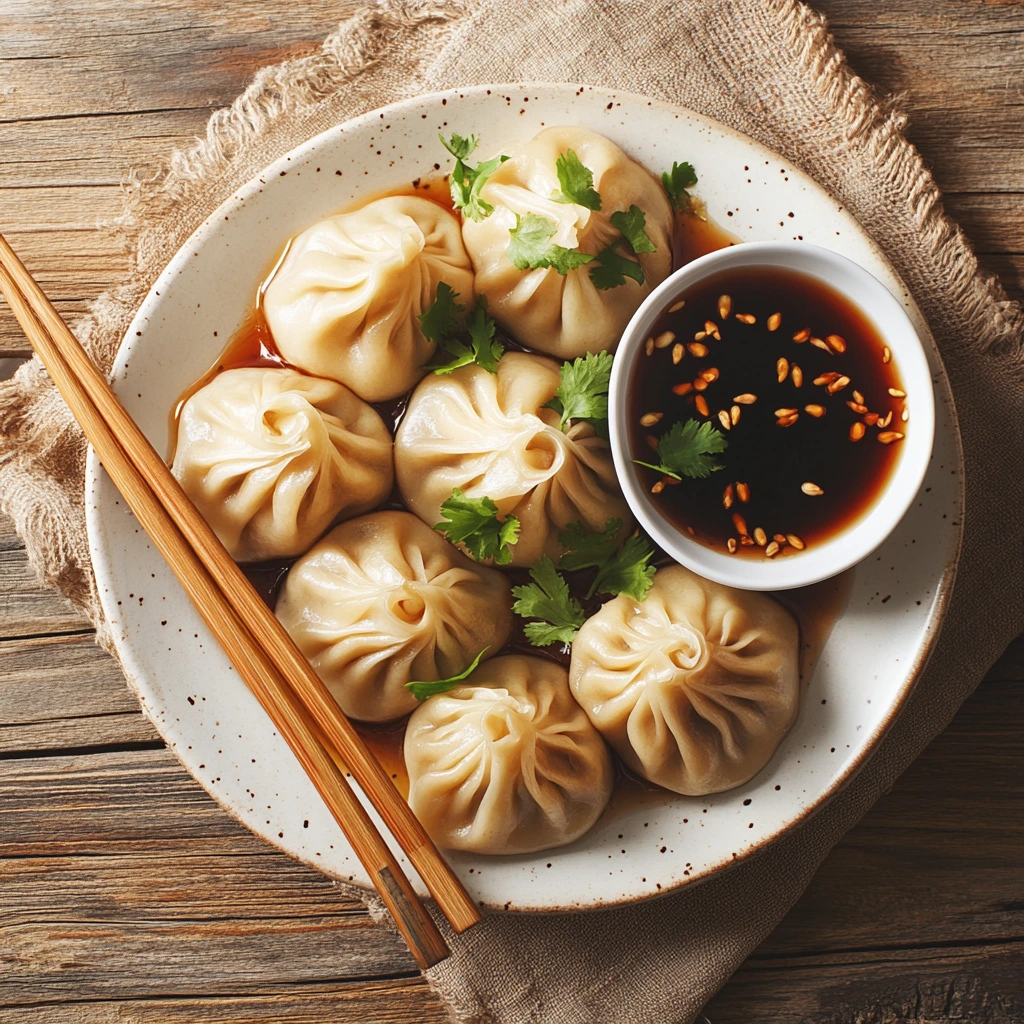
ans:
x=612 y=267
x=577 y=182
x=423 y=690
x=474 y=522
x=676 y=182
x=583 y=391
x=465 y=180
x=689 y=449
x=633 y=225
x=621 y=568
x=530 y=247
x=548 y=600
x=467 y=339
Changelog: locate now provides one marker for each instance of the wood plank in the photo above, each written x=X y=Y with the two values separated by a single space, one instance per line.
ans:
x=135 y=801
x=68 y=155
x=132 y=55
x=27 y=608
x=65 y=693
x=398 y=1001
x=979 y=984
x=61 y=962
x=958 y=67
x=169 y=887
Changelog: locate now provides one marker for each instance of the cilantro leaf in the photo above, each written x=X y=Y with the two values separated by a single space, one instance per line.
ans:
x=460 y=147
x=587 y=549
x=421 y=690
x=612 y=268
x=620 y=569
x=676 y=182
x=548 y=599
x=633 y=223
x=627 y=571
x=577 y=182
x=487 y=350
x=530 y=247
x=475 y=523
x=689 y=449
x=442 y=319
x=444 y=324
x=466 y=181
x=583 y=391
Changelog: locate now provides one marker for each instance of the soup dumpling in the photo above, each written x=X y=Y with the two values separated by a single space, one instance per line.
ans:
x=568 y=315
x=344 y=302
x=271 y=458
x=489 y=435
x=695 y=686
x=383 y=600
x=507 y=762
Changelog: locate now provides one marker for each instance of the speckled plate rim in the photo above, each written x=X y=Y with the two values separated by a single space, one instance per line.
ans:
x=131 y=661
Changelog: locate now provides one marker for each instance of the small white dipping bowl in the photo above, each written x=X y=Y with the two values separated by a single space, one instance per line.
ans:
x=857 y=540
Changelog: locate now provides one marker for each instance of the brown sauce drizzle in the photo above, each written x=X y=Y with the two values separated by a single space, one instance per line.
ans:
x=253 y=346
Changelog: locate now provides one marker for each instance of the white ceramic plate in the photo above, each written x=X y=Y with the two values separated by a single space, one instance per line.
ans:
x=642 y=847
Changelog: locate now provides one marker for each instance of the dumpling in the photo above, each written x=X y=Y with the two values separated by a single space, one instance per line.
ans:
x=507 y=762
x=384 y=600
x=344 y=302
x=271 y=458
x=489 y=435
x=566 y=315
x=694 y=687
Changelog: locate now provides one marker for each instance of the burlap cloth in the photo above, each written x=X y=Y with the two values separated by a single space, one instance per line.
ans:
x=768 y=69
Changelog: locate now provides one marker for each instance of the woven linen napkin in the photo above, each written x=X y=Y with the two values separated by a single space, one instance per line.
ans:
x=767 y=68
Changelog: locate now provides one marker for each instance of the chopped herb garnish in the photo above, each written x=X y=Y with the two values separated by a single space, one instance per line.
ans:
x=689 y=449
x=577 y=182
x=676 y=182
x=612 y=268
x=632 y=223
x=621 y=569
x=421 y=690
x=487 y=350
x=628 y=572
x=548 y=600
x=583 y=391
x=474 y=522
x=442 y=320
x=465 y=180
x=467 y=339
x=530 y=246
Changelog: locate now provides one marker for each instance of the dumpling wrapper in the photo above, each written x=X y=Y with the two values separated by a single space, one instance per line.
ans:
x=566 y=316
x=507 y=762
x=694 y=687
x=383 y=600
x=489 y=435
x=344 y=302
x=271 y=458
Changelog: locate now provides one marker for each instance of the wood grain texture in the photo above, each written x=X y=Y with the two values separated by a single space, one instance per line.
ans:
x=128 y=895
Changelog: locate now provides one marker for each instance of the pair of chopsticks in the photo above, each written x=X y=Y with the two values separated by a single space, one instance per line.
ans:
x=266 y=657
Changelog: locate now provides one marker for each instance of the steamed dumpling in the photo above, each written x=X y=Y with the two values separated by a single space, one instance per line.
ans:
x=272 y=457
x=507 y=762
x=384 y=600
x=694 y=687
x=489 y=435
x=566 y=316
x=344 y=302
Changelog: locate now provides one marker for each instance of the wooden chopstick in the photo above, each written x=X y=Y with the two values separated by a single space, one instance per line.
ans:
x=266 y=645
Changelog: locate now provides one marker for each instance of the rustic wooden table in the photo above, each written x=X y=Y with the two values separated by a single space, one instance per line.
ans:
x=128 y=895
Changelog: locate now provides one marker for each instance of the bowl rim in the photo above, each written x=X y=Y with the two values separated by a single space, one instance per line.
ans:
x=857 y=539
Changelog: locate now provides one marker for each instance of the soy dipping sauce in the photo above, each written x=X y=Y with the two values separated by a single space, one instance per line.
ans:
x=801 y=385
